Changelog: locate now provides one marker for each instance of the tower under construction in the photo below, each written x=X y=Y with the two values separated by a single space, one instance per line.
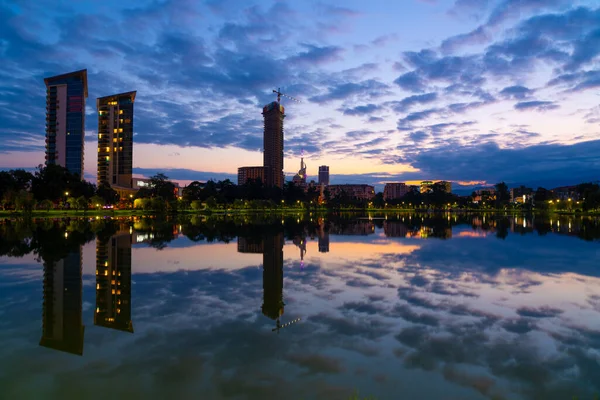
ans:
x=273 y=114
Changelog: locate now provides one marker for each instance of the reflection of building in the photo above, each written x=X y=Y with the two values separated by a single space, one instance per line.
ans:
x=395 y=190
x=323 y=238
x=353 y=228
x=273 y=276
x=115 y=141
x=361 y=192
x=273 y=113
x=65 y=120
x=395 y=229
x=250 y=245
x=300 y=242
x=62 y=325
x=247 y=173
x=113 y=282
x=324 y=175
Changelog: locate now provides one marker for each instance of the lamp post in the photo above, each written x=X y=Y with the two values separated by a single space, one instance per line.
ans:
x=66 y=197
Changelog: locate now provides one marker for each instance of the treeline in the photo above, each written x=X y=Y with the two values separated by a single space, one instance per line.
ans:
x=49 y=187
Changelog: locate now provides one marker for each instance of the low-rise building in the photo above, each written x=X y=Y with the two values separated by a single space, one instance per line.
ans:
x=521 y=194
x=566 y=193
x=395 y=190
x=247 y=173
x=361 y=192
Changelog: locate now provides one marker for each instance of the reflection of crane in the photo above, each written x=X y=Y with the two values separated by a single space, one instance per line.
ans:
x=279 y=326
x=279 y=94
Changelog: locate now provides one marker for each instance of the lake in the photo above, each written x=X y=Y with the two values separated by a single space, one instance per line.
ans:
x=397 y=306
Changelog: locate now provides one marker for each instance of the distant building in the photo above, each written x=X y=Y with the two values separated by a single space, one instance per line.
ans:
x=566 y=193
x=488 y=194
x=324 y=175
x=300 y=178
x=521 y=194
x=62 y=323
x=426 y=186
x=139 y=183
x=115 y=140
x=273 y=114
x=395 y=190
x=247 y=173
x=446 y=185
x=113 y=282
x=361 y=192
x=65 y=120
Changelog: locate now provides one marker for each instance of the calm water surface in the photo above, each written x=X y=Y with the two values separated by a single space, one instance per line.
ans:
x=396 y=306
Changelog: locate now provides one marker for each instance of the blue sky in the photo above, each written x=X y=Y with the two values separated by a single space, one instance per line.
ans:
x=468 y=91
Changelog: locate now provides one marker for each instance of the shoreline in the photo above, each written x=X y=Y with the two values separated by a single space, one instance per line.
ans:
x=4 y=214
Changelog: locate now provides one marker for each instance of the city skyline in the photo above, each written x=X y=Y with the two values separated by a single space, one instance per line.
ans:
x=492 y=91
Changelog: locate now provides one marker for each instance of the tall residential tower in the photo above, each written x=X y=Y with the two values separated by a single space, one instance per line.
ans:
x=65 y=120
x=273 y=113
x=324 y=175
x=115 y=140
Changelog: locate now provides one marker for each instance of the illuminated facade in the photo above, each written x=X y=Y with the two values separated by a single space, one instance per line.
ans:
x=247 y=173
x=300 y=178
x=65 y=120
x=426 y=187
x=324 y=175
x=273 y=276
x=397 y=190
x=62 y=325
x=113 y=282
x=273 y=114
x=115 y=140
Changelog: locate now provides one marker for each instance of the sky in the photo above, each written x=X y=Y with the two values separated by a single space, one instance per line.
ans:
x=471 y=91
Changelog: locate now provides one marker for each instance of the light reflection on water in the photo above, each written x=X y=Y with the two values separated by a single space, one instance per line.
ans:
x=468 y=307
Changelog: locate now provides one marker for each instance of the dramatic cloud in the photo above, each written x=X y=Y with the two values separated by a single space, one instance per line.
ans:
x=537 y=105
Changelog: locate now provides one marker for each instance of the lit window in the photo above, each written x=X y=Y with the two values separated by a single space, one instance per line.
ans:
x=112 y=282
x=97 y=286
x=115 y=130
x=105 y=273
x=99 y=136
x=107 y=158
x=96 y=272
x=106 y=263
x=118 y=311
x=113 y=291
x=120 y=111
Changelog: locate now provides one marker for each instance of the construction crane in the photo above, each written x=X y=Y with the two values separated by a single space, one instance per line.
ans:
x=279 y=94
x=279 y=326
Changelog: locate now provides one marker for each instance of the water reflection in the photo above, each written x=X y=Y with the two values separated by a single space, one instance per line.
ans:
x=440 y=306
x=62 y=327
x=113 y=281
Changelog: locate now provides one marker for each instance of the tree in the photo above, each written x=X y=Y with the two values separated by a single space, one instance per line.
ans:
x=160 y=186
x=45 y=205
x=192 y=192
x=24 y=201
x=97 y=201
x=81 y=203
x=109 y=195
x=502 y=194
x=197 y=205
x=211 y=203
